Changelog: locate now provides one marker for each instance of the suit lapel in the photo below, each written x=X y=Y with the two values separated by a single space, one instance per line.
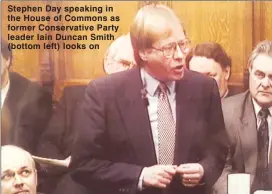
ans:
x=248 y=135
x=134 y=112
x=185 y=126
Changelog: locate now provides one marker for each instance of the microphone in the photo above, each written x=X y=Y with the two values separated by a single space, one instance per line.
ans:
x=144 y=96
x=144 y=92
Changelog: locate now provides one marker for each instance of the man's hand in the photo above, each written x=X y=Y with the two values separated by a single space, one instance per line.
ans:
x=191 y=174
x=67 y=161
x=159 y=176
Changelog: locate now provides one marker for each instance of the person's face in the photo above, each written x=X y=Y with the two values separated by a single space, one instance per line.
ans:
x=212 y=69
x=260 y=80
x=166 y=60
x=123 y=60
x=18 y=175
x=4 y=65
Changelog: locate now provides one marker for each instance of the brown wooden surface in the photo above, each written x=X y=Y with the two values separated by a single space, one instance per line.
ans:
x=222 y=22
x=237 y=25
x=26 y=62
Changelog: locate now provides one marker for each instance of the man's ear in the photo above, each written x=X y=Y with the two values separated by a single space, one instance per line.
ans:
x=227 y=73
x=144 y=54
x=249 y=68
x=36 y=177
x=8 y=63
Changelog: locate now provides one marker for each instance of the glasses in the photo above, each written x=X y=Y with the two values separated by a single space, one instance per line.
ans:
x=169 y=49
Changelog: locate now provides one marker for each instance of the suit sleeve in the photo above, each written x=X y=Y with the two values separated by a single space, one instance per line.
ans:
x=221 y=185
x=90 y=161
x=34 y=116
x=51 y=140
x=217 y=146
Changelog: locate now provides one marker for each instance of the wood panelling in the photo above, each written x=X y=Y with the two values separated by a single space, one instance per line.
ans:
x=64 y=83
x=88 y=64
x=237 y=25
x=223 y=22
x=267 y=18
x=262 y=21
x=27 y=62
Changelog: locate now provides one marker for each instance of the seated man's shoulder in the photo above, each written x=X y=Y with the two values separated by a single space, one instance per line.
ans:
x=233 y=105
x=26 y=86
x=71 y=97
x=235 y=100
x=75 y=91
x=17 y=78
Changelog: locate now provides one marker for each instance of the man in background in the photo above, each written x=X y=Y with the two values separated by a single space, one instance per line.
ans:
x=26 y=106
x=248 y=122
x=119 y=56
x=58 y=139
x=212 y=60
x=156 y=127
x=18 y=171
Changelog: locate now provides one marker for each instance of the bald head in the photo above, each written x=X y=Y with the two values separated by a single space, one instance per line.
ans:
x=18 y=172
x=12 y=153
x=119 y=55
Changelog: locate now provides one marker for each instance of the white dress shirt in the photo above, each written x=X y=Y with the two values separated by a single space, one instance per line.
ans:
x=4 y=92
x=257 y=109
x=151 y=86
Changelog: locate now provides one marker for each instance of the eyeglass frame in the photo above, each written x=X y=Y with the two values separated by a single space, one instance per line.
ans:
x=188 y=42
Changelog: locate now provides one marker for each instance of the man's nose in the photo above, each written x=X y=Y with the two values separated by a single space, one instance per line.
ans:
x=18 y=183
x=266 y=82
x=178 y=53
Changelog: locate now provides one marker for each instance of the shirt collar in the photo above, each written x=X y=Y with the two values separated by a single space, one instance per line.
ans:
x=226 y=94
x=257 y=108
x=4 y=93
x=151 y=84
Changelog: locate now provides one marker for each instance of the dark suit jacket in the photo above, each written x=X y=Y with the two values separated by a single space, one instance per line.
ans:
x=241 y=126
x=57 y=140
x=27 y=108
x=114 y=141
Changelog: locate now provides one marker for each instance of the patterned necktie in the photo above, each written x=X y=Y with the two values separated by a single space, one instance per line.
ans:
x=263 y=144
x=166 y=127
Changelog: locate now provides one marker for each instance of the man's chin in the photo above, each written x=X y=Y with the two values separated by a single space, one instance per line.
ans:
x=22 y=192
x=264 y=102
x=177 y=76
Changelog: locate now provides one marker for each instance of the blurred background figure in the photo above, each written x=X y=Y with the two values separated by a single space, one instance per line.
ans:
x=25 y=104
x=119 y=56
x=57 y=140
x=212 y=60
x=18 y=171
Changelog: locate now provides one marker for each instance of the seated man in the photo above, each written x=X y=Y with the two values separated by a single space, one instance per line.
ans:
x=25 y=104
x=18 y=171
x=248 y=122
x=212 y=60
x=57 y=140
x=119 y=56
